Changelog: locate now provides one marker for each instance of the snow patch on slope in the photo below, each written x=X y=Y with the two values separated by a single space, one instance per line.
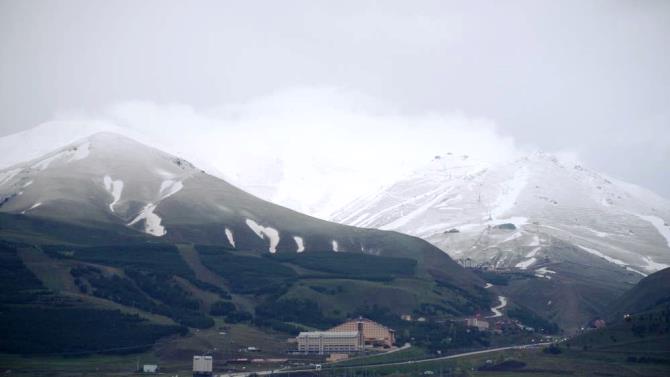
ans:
x=544 y=273
x=360 y=219
x=152 y=222
x=42 y=165
x=32 y=207
x=229 y=235
x=300 y=243
x=610 y=259
x=525 y=264
x=533 y=252
x=169 y=187
x=531 y=259
x=419 y=211
x=114 y=187
x=510 y=193
x=79 y=152
x=336 y=246
x=597 y=232
x=262 y=231
x=513 y=237
x=601 y=255
x=659 y=224
x=6 y=176
x=654 y=266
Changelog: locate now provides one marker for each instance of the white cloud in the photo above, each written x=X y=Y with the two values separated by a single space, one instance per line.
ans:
x=311 y=149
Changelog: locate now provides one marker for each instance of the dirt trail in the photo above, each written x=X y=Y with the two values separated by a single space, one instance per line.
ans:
x=191 y=257
x=53 y=273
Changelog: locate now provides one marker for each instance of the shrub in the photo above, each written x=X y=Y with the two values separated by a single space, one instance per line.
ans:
x=222 y=308
x=238 y=316
x=247 y=274
x=553 y=349
x=304 y=311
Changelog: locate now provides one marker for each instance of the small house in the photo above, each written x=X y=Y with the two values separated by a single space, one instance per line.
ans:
x=149 y=368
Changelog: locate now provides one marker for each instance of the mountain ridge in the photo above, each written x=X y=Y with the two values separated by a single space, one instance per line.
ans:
x=115 y=181
x=567 y=240
x=456 y=192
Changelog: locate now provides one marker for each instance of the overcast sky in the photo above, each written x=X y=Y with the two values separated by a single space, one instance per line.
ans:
x=585 y=78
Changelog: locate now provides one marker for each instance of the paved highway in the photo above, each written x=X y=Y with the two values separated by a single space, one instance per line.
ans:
x=421 y=361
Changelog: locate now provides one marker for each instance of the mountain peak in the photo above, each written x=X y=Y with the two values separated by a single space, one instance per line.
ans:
x=108 y=137
x=458 y=193
x=106 y=149
x=540 y=155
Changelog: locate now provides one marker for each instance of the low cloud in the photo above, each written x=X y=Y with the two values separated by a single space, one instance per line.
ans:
x=311 y=149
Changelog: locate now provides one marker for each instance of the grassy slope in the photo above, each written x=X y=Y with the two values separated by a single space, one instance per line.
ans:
x=402 y=296
x=538 y=364
x=337 y=297
x=38 y=231
x=54 y=274
x=402 y=293
x=646 y=334
x=174 y=355
x=651 y=291
x=461 y=285
x=411 y=353
x=192 y=258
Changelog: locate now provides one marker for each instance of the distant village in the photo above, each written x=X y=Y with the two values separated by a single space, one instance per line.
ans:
x=355 y=336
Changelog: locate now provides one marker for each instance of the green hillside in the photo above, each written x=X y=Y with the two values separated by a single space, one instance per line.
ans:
x=638 y=324
x=149 y=290
x=37 y=320
x=652 y=292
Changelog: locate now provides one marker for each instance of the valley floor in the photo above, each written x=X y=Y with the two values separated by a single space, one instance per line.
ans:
x=526 y=362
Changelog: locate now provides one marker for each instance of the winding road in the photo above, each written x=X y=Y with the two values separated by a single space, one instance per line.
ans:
x=496 y=309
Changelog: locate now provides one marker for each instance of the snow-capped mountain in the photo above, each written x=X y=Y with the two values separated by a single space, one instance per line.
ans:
x=108 y=181
x=506 y=213
x=287 y=175
x=568 y=239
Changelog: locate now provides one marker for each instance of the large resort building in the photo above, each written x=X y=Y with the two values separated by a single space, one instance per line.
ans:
x=328 y=342
x=351 y=336
x=372 y=333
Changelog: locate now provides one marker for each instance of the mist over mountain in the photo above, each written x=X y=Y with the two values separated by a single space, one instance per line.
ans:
x=311 y=149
